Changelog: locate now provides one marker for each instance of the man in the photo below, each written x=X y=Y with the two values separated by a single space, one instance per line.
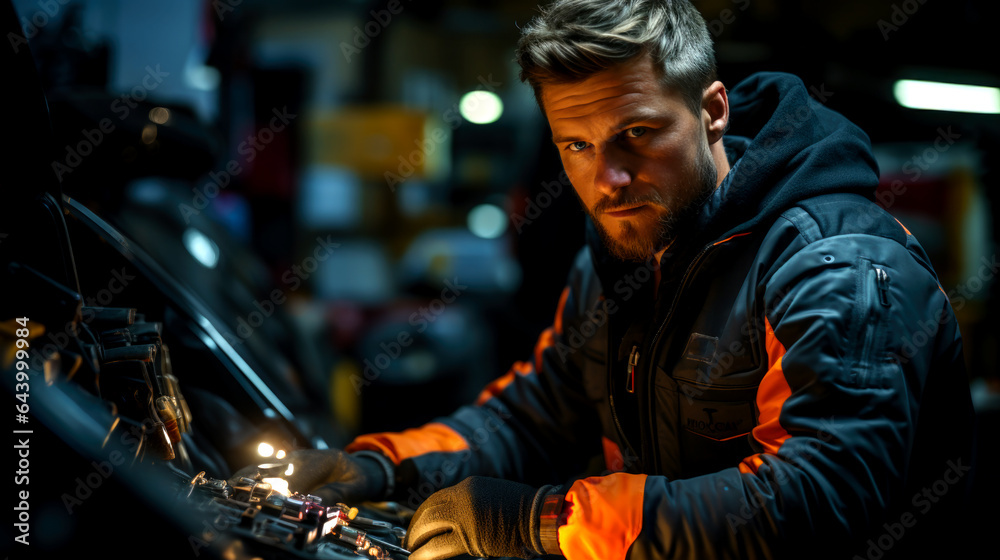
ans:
x=762 y=356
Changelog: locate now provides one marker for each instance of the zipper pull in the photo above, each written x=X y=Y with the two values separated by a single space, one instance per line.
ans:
x=633 y=360
x=882 y=279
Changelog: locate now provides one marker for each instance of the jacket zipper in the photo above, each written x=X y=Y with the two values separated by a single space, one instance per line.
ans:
x=882 y=280
x=621 y=431
x=614 y=413
x=611 y=400
x=633 y=360
x=652 y=351
x=871 y=328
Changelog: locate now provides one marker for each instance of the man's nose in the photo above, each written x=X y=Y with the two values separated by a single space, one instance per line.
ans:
x=611 y=171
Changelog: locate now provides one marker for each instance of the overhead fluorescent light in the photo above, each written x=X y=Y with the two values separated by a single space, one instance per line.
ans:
x=940 y=96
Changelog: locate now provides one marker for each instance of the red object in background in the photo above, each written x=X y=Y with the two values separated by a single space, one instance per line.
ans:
x=272 y=170
x=927 y=197
x=932 y=208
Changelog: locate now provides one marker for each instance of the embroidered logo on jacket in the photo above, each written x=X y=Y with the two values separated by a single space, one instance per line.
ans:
x=719 y=420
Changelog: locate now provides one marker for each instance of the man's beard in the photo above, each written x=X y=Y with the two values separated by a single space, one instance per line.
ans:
x=683 y=203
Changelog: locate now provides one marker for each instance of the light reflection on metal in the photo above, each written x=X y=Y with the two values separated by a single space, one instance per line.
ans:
x=249 y=374
x=278 y=485
x=110 y=430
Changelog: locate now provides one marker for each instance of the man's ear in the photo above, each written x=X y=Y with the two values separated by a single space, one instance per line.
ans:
x=715 y=111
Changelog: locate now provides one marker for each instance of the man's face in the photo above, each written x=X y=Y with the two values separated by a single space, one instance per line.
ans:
x=637 y=156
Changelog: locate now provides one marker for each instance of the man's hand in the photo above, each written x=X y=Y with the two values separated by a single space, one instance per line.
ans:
x=479 y=516
x=333 y=475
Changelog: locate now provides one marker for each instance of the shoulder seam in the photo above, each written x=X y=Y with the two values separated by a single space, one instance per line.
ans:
x=808 y=227
x=797 y=216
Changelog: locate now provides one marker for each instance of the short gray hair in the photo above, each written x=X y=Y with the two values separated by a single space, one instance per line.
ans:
x=572 y=40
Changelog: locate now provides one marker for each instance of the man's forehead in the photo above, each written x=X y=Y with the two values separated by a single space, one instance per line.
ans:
x=619 y=87
x=613 y=82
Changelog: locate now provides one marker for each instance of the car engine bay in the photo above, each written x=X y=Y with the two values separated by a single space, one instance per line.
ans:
x=130 y=398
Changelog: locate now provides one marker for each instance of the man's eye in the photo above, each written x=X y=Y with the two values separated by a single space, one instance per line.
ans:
x=636 y=131
x=577 y=146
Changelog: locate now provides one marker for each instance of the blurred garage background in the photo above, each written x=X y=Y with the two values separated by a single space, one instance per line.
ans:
x=369 y=184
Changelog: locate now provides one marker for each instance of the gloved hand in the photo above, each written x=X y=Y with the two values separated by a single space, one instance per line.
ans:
x=333 y=475
x=479 y=516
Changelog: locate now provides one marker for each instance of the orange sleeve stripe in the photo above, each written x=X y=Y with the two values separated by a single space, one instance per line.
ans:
x=604 y=516
x=500 y=383
x=751 y=464
x=495 y=387
x=557 y=323
x=613 y=458
x=546 y=339
x=399 y=446
x=771 y=396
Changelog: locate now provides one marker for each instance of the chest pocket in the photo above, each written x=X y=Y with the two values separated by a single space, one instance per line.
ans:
x=714 y=426
x=715 y=406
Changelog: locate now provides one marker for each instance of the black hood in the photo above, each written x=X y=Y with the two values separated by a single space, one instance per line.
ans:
x=783 y=147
